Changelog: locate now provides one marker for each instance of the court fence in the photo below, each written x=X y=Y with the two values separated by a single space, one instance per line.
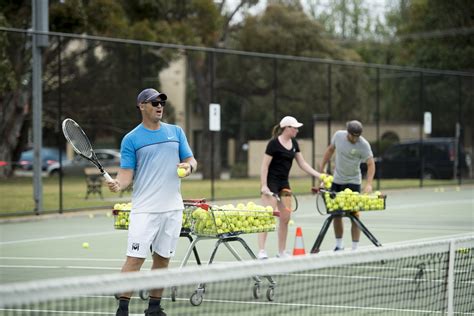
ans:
x=95 y=80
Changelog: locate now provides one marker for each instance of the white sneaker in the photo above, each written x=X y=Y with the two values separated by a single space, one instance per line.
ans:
x=284 y=254
x=262 y=255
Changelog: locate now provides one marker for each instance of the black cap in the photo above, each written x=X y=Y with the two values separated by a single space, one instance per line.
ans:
x=354 y=128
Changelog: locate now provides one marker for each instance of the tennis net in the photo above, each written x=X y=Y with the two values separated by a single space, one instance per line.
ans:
x=435 y=277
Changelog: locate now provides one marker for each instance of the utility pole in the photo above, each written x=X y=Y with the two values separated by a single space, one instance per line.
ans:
x=39 y=15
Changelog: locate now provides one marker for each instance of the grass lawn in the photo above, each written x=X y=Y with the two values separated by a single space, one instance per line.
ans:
x=17 y=192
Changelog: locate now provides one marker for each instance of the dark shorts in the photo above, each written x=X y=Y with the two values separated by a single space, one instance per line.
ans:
x=341 y=187
x=278 y=186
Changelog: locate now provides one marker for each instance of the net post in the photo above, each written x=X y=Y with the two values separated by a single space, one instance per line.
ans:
x=450 y=283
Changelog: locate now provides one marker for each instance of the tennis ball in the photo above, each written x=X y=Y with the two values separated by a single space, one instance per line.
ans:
x=463 y=250
x=291 y=222
x=85 y=245
x=91 y=215
x=181 y=172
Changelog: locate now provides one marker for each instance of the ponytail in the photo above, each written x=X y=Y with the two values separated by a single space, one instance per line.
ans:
x=277 y=130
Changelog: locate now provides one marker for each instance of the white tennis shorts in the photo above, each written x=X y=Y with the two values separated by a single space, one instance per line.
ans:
x=155 y=232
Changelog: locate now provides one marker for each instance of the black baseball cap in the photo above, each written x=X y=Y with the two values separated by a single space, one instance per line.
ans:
x=354 y=128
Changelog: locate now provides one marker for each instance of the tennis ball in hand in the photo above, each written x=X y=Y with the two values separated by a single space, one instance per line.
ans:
x=181 y=172
x=85 y=245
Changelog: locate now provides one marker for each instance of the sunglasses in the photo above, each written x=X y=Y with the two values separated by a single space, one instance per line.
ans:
x=156 y=103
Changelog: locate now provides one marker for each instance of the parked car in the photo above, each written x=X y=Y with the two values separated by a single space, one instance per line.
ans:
x=107 y=157
x=403 y=160
x=49 y=156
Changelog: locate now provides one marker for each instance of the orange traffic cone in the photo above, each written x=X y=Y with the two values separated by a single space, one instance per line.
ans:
x=298 y=249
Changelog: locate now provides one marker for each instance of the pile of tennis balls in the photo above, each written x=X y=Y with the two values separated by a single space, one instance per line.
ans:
x=243 y=218
x=348 y=200
x=121 y=214
x=326 y=180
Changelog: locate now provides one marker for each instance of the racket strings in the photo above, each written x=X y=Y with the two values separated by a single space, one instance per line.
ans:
x=78 y=139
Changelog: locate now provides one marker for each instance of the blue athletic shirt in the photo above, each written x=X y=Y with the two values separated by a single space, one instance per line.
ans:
x=153 y=155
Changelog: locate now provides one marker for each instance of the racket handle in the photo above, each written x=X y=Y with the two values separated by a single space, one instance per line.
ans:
x=107 y=176
x=274 y=195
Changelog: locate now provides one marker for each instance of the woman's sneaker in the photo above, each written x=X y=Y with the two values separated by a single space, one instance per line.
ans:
x=284 y=254
x=262 y=255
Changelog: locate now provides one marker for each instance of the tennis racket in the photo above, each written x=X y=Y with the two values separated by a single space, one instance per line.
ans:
x=320 y=205
x=286 y=197
x=81 y=144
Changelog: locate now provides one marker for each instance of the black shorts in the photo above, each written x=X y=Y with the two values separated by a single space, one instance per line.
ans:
x=278 y=186
x=341 y=187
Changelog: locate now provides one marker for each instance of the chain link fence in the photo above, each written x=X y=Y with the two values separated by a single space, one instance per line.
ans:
x=96 y=80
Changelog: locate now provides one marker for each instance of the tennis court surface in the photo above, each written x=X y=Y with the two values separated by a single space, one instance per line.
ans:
x=425 y=266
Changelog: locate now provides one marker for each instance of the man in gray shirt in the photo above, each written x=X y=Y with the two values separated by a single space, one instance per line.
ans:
x=351 y=150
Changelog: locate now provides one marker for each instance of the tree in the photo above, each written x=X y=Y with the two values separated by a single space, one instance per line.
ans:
x=438 y=34
x=289 y=87
x=106 y=74
x=83 y=62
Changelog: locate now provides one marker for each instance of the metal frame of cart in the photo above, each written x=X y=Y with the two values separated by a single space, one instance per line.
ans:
x=226 y=239
x=340 y=213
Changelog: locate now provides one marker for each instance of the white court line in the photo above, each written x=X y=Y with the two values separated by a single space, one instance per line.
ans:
x=305 y=275
x=312 y=305
x=49 y=311
x=58 y=267
x=434 y=203
x=406 y=206
x=21 y=241
x=121 y=260
x=398 y=310
x=60 y=259
x=322 y=306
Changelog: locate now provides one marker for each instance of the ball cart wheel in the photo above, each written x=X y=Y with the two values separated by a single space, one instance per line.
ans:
x=144 y=294
x=270 y=293
x=256 y=290
x=174 y=293
x=196 y=299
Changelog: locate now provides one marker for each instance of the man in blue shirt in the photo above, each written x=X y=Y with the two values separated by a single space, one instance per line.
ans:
x=150 y=156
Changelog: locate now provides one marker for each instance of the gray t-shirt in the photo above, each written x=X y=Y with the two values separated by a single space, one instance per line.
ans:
x=349 y=157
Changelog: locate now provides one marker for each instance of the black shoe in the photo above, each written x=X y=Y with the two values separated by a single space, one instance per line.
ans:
x=159 y=312
x=338 y=248
x=121 y=312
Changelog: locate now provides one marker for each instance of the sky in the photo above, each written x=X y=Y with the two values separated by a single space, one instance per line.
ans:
x=378 y=7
